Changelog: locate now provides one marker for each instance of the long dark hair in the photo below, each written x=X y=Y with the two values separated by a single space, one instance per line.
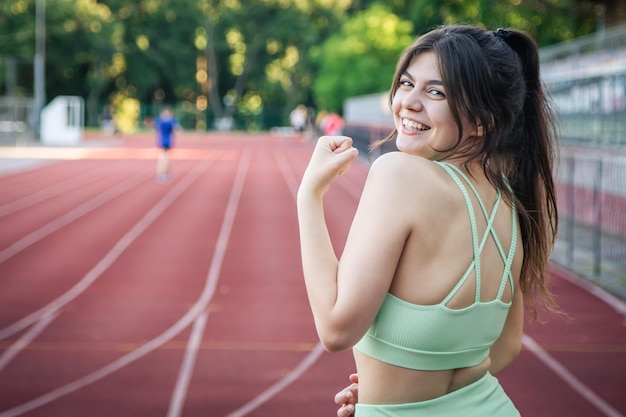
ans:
x=492 y=80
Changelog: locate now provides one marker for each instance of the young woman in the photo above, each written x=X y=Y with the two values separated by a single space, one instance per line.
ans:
x=452 y=234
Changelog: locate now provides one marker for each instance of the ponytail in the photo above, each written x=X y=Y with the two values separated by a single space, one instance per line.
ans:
x=532 y=177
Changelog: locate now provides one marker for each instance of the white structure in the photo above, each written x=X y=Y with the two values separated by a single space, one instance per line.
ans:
x=368 y=110
x=62 y=121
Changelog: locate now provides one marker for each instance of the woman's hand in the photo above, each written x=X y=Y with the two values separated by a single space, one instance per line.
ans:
x=332 y=156
x=348 y=397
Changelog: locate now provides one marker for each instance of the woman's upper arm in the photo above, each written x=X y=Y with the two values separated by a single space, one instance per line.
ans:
x=375 y=243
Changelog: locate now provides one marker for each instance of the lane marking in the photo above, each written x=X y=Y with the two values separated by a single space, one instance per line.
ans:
x=350 y=187
x=50 y=192
x=112 y=255
x=71 y=216
x=609 y=299
x=263 y=346
x=20 y=344
x=569 y=378
x=177 y=345
x=283 y=383
x=180 y=391
x=176 y=328
x=288 y=175
x=313 y=356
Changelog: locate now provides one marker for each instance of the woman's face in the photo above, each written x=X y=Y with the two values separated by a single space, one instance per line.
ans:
x=421 y=112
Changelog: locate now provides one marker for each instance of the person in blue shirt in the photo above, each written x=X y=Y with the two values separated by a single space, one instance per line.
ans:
x=165 y=125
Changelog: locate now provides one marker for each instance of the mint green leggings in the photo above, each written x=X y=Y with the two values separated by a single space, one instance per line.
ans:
x=483 y=398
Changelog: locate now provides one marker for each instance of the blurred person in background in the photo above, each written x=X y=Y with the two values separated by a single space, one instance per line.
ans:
x=165 y=125
x=107 y=122
x=298 y=118
x=332 y=124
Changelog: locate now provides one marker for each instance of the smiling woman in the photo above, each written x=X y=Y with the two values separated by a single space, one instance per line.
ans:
x=453 y=230
x=420 y=109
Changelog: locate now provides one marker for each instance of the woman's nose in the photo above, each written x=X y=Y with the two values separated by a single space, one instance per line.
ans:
x=412 y=101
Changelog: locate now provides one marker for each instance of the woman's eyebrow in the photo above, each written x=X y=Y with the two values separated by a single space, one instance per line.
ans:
x=406 y=74
x=429 y=82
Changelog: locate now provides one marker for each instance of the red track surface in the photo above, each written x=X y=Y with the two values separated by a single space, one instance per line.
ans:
x=121 y=296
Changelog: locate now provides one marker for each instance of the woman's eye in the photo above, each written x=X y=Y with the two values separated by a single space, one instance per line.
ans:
x=436 y=93
x=406 y=83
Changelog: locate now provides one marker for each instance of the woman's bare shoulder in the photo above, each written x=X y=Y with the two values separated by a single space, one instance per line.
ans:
x=400 y=162
x=416 y=172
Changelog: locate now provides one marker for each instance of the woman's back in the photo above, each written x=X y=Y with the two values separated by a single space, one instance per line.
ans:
x=436 y=278
x=440 y=249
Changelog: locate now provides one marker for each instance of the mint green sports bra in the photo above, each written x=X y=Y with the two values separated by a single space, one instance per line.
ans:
x=436 y=337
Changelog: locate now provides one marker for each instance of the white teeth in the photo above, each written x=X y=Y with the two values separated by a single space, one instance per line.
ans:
x=411 y=125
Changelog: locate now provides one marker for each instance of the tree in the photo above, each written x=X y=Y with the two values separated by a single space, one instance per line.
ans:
x=157 y=41
x=361 y=57
x=262 y=58
x=549 y=21
x=245 y=58
x=17 y=46
x=80 y=51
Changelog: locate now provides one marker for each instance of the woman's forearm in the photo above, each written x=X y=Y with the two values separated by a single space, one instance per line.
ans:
x=331 y=157
x=500 y=359
x=319 y=262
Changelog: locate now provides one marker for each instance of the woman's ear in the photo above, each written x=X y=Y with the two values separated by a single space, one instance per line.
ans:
x=480 y=132
x=480 y=127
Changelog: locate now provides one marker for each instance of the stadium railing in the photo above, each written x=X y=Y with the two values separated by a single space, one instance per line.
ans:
x=16 y=119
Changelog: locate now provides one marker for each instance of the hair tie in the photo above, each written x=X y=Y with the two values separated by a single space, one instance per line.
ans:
x=501 y=33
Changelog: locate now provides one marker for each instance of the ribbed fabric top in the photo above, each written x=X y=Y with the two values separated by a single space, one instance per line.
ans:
x=436 y=337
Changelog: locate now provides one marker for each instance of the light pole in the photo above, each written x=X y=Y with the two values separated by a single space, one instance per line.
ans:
x=40 y=62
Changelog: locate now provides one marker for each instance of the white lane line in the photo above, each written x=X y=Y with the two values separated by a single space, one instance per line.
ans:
x=313 y=356
x=569 y=378
x=607 y=298
x=180 y=391
x=49 y=192
x=288 y=175
x=199 y=306
x=296 y=373
x=293 y=183
x=70 y=216
x=110 y=257
x=26 y=338
x=350 y=187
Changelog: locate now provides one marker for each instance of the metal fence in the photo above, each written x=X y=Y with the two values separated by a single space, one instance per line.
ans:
x=592 y=110
x=591 y=186
x=586 y=78
x=16 y=119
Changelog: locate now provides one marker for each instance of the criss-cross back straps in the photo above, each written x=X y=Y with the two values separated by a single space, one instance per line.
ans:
x=489 y=230
x=509 y=257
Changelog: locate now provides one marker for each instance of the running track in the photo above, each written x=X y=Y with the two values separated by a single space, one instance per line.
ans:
x=120 y=296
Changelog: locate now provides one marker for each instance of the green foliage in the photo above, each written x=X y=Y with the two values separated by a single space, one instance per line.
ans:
x=263 y=56
x=354 y=61
x=361 y=57
x=549 y=21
